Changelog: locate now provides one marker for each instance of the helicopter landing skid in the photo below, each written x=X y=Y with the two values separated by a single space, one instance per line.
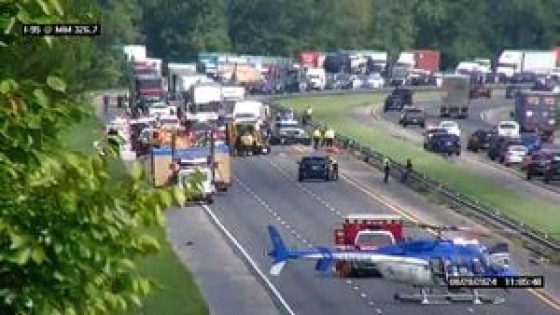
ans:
x=431 y=298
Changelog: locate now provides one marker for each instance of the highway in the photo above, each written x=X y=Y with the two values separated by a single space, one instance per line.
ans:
x=479 y=112
x=265 y=191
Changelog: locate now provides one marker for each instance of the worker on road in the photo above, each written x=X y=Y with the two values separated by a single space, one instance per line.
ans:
x=407 y=170
x=329 y=137
x=317 y=137
x=386 y=170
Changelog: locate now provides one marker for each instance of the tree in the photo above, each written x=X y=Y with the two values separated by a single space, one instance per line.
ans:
x=178 y=30
x=69 y=230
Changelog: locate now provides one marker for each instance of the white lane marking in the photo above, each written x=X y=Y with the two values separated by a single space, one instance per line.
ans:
x=470 y=309
x=269 y=284
x=378 y=311
x=293 y=230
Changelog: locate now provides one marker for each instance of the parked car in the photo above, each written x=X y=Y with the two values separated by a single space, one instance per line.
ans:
x=317 y=167
x=480 y=139
x=290 y=135
x=451 y=127
x=498 y=146
x=552 y=171
x=535 y=163
x=443 y=142
x=513 y=154
x=412 y=116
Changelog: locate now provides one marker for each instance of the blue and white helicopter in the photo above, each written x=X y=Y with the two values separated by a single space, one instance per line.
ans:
x=425 y=264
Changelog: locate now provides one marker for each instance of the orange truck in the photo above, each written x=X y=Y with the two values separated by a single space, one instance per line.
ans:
x=365 y=232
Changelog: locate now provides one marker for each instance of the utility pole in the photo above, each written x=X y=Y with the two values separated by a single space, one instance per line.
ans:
x=213 y=152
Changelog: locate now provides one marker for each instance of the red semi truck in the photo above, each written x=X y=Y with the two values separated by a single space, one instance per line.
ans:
x=309 y=59
x=365 y=232
x=427 y=60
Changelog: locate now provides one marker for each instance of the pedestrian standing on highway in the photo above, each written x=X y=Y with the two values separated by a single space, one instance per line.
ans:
x=386 y=170
x=317 y=135
x=407 y=170
x=329 y=137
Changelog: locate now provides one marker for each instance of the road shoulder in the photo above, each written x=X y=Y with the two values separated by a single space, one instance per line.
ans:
x=227 y=284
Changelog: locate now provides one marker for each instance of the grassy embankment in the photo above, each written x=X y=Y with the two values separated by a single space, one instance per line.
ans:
x=334 y=110
x=177 y=292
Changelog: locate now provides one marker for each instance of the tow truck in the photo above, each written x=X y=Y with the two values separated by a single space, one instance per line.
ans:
x=365 y=232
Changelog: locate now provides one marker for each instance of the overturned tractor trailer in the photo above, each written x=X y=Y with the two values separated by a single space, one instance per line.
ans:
x=456 y=89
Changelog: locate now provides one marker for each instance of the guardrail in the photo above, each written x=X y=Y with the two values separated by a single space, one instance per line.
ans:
x=418 y=180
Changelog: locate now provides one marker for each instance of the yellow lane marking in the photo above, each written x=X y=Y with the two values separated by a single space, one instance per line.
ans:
x=408 y=215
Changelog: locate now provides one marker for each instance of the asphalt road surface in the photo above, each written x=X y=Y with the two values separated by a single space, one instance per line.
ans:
x=265 y=191
x=479 y=113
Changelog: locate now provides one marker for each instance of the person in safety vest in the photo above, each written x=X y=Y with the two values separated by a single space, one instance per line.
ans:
x=329 y=137
x=317 y=135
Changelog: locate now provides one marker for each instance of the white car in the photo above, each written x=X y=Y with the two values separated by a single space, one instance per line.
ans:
x=508 y=128
x=451 y=127
x=515 y=154
x=375 y=81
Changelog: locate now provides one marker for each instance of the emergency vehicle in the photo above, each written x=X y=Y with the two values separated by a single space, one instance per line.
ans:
x=365 y=232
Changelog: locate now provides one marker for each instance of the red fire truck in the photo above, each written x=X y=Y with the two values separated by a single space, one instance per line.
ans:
x=366 y=232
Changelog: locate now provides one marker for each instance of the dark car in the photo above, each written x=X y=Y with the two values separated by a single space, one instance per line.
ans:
x=290 y=135
x=480 y=90
x=398 y=99
x=443 y=142
x=480 y=139
x=552 y=170
x=535 y=163
x=317 y=167
x=413 y=116
x=499 y=146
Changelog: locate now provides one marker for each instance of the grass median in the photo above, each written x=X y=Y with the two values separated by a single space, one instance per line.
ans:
x=177 y=292
x=334 y=111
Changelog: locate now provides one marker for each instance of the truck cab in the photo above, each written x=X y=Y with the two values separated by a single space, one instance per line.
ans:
x=398 y=99
x=366 y=232
x=197 y=170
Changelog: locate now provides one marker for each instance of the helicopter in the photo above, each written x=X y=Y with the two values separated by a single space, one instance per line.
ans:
x=425 y=264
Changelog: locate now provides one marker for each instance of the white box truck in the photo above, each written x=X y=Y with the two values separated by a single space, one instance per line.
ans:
x=205 y=102
x=511 y=62
x=317 y=78
x=134 y=52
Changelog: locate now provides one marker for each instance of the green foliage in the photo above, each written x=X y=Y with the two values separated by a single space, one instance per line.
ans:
x=459 y=29
x=177 y=30
x=69 y=234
